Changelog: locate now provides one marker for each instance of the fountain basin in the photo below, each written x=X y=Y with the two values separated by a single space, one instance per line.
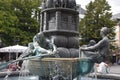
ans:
x=85 y=65
x=67 y=67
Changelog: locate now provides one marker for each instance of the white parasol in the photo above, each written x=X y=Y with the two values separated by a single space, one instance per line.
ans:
x=15 y=49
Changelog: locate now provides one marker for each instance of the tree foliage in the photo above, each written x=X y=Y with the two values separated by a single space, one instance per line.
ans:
x=18 y=21
x=7 y=19
x=97 y=15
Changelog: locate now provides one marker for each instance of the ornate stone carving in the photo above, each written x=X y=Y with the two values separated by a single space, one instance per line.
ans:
x=58 y=3
x=49 y=3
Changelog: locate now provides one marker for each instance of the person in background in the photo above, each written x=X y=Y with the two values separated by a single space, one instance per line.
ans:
x=13 y=67
x=118 y=60
x=103 y=67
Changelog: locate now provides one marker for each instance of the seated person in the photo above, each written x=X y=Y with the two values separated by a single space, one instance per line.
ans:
x=103 y=67
x=13 y=67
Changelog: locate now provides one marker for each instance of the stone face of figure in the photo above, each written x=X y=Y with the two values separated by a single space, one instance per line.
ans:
x=102 y=47
x=40 y=38
x=104 y=31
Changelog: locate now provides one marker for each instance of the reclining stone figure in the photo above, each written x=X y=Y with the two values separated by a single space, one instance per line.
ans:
x=40 y=45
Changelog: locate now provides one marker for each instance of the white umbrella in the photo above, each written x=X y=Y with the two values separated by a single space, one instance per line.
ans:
x=15 y=49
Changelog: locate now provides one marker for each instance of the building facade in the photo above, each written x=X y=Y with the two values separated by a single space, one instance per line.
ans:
x=117 y=30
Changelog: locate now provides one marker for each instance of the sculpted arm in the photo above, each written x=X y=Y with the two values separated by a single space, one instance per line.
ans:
x=95 y=47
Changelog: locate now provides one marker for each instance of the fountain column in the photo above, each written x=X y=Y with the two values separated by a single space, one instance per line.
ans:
x=61 y=22
x=58 y=19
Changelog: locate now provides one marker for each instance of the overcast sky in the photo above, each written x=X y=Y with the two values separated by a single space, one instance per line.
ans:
x=115 y=4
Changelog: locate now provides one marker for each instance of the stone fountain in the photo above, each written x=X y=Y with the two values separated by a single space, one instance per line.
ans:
x=59 y=27
x=56 y=47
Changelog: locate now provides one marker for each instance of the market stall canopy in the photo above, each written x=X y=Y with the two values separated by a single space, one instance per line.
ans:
x=14 y=49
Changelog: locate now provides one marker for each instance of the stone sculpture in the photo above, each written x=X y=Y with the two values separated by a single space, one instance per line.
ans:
x=42 y=44
x=72 y=4
x=59 y=24
x=91 y=43
x=101 y=48
x=64 y=3
x=59 y=35
x=58 y=3
x=43 y=6
x=49 y=3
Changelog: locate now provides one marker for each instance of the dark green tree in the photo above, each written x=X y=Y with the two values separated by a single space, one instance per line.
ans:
x=7 y=20
x=28 y=22
x=19 y=20
x=98 y=15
